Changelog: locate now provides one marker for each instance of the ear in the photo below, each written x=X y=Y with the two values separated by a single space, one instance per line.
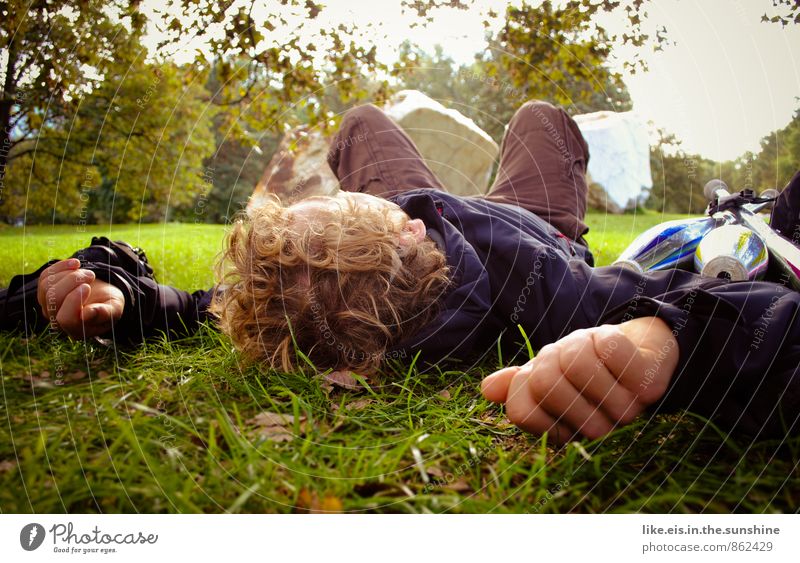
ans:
x=416 y=228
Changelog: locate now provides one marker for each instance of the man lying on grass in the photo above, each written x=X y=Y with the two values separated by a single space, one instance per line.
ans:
x=394 y=265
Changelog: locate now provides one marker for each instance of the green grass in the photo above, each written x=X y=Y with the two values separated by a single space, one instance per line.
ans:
x=181 y=253
x=169 y=427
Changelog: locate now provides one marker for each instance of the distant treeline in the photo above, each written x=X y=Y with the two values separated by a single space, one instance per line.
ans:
x=678 y=177
x=94 y=129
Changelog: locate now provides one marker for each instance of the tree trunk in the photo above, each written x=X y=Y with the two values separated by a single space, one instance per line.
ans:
x=7 y=99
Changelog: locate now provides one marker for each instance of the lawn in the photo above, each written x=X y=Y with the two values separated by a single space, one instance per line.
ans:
x=184 y=427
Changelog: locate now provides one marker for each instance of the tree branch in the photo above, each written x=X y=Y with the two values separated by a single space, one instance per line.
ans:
x=61 y=157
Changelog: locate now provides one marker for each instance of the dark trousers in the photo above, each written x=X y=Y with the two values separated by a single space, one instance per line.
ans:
x=542 y=167
x=786 y=212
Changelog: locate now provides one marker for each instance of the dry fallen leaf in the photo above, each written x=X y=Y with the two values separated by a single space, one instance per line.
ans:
x=276 y=434
x=305 y=499
x=330 y=503
x=435 y=471
x=356 y=405
x=459 y=486
x=75 y=376
x=275 y=426
x=326 y=386
x=7 y=465
x=308 y=501
x=272 y=419
x=342 y=379
x=41 y=381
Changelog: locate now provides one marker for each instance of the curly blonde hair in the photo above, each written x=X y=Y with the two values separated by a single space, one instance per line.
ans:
x=340 y=288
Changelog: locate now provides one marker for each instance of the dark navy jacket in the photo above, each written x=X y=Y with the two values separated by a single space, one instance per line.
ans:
x=739 y=342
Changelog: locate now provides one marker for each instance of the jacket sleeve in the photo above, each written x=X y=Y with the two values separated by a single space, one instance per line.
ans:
x=150 y=308
x=739 y=352
x=19 y=308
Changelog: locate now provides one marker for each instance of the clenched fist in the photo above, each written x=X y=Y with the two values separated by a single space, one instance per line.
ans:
x=75 y=301
x=590 y=381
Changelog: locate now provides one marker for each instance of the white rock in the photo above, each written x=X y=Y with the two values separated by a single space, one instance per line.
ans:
x=619 y=152
x=460 y=153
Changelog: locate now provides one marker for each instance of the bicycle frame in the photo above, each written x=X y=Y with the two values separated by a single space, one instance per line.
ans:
x=674 y=243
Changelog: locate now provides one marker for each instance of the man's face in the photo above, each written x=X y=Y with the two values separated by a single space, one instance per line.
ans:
x=310 y=208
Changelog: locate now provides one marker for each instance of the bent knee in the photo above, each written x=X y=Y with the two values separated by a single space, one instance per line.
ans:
x=364 y=111
x=533 y=109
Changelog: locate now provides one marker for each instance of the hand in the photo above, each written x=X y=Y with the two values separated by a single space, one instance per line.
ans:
x=590 y=381
x=73 y=300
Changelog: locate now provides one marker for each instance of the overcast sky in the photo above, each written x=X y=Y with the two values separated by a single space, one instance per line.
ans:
x=727 y=82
